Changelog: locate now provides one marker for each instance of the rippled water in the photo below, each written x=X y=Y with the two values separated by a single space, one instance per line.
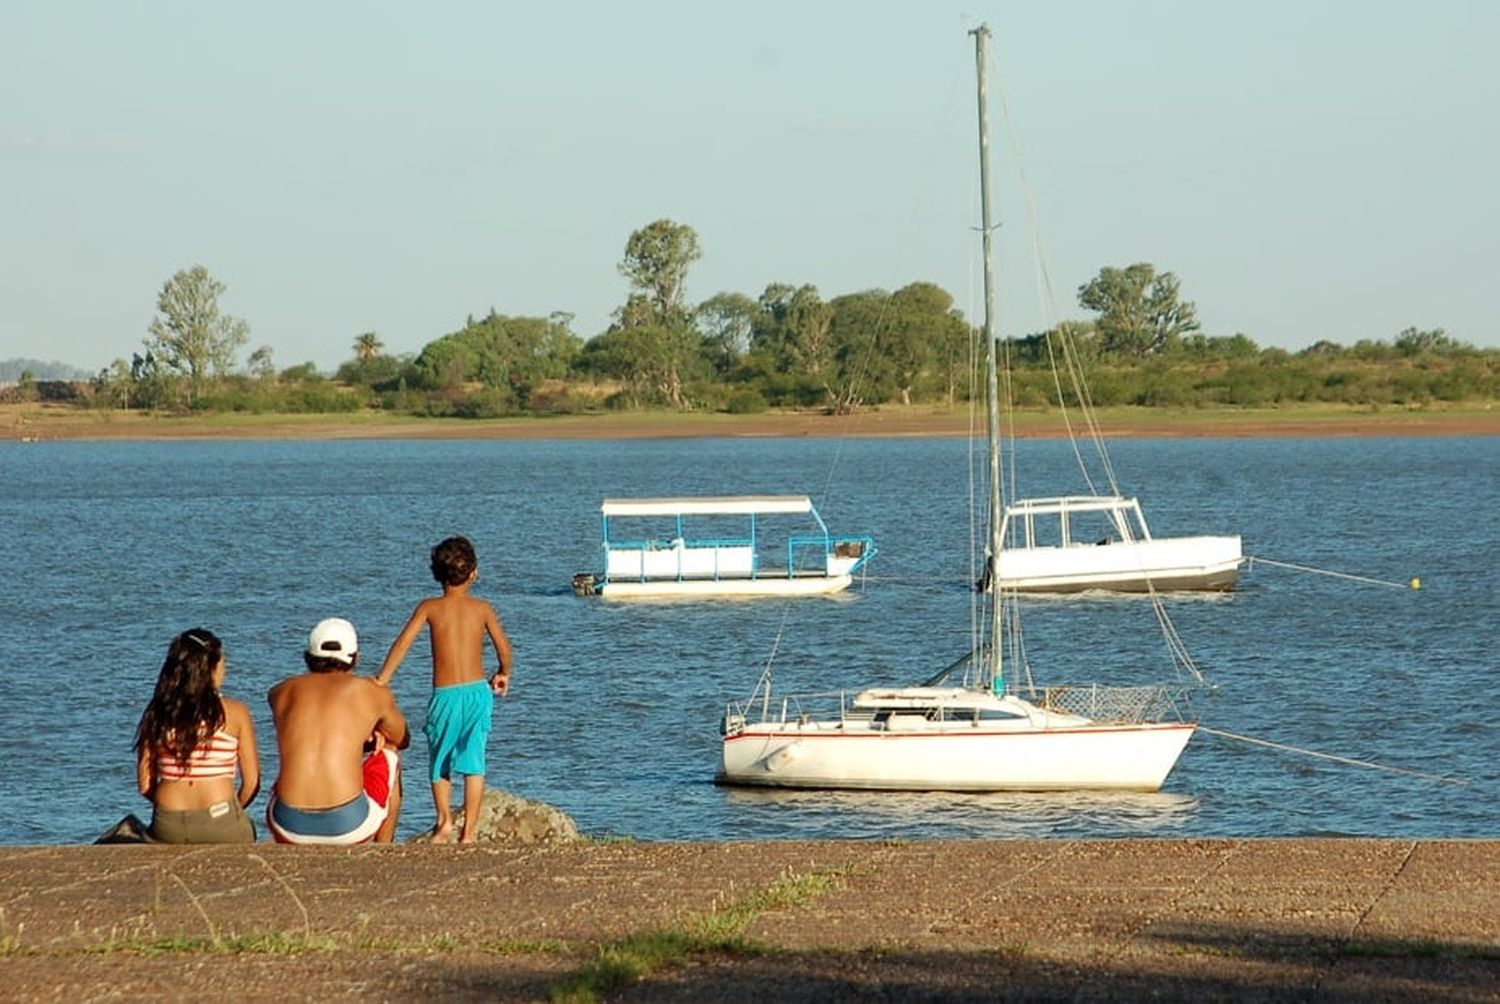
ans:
x=111 y=548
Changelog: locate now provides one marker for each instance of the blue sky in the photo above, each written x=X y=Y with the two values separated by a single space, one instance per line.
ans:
x=1309 y=170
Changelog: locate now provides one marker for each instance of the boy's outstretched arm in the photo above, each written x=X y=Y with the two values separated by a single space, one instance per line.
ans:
x=391 y=725
x=500 y=682
x=402 y=644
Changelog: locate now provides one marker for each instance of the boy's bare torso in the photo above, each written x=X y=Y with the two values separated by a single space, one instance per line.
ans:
x=456 y=624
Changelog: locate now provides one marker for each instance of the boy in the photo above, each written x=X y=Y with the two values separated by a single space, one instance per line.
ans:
x=458 y=715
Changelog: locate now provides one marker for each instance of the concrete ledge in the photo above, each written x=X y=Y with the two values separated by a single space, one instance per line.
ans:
x=1180 y=919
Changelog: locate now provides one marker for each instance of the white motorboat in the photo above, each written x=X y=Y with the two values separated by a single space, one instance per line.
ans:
x=668 y=551
x=1075 y=543
x=968 y=728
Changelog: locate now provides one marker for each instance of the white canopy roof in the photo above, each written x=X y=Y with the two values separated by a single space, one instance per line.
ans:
x=708 y=506
x=1070 y=503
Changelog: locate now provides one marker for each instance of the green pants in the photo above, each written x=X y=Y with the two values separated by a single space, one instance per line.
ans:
x=220 y=823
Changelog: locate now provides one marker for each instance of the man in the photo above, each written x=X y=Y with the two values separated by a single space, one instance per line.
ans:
x=329 y=791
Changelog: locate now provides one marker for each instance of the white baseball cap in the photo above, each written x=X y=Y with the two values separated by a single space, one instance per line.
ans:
x=334 y=639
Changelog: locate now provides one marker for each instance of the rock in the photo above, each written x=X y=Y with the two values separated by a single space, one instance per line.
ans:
x=510 y=819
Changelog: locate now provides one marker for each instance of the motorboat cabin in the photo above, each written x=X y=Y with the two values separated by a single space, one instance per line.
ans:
x=1074 y=543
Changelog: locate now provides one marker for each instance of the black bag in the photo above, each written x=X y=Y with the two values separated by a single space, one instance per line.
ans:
x=129 y=830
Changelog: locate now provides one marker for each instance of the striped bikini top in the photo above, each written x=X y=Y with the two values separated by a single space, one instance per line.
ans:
x=215 y=758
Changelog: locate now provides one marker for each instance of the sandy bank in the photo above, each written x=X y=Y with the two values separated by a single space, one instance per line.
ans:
x=38 y=423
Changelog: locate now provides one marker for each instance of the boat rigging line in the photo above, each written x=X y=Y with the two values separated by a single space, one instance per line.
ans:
x=1059 y=341
x=1412 y=583
x=1350 y=761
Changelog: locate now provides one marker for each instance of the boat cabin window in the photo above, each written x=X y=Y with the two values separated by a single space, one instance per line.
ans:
x=987 y=715
x=1097 y=527
x=946 y=714
x=1073 y=527
x=886 y=714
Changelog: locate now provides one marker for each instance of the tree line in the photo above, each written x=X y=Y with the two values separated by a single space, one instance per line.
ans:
x=787 y=348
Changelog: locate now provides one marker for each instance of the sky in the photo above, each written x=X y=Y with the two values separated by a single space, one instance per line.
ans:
x=1308 y=170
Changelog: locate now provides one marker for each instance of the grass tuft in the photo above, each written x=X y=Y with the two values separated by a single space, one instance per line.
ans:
x=10 y=941
x=265 y=942
x=720 y=931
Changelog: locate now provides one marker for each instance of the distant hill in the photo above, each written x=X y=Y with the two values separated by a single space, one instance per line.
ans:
x=11 y=370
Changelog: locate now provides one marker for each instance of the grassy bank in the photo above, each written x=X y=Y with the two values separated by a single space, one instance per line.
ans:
x=45 y=422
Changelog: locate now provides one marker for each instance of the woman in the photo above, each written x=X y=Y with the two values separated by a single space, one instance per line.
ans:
x=188 y=746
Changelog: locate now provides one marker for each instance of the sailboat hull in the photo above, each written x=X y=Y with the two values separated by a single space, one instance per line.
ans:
x=958 y=757
x=1198 y=563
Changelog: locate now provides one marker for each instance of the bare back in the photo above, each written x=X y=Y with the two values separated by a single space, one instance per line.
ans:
x=456 y=624
x=322 y=723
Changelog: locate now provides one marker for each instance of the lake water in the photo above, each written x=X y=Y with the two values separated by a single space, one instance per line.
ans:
x=111 y=548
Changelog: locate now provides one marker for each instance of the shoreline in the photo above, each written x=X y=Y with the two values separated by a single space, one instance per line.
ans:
x=40 y=423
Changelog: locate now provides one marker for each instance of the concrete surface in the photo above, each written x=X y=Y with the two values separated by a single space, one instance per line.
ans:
x=1335 y=919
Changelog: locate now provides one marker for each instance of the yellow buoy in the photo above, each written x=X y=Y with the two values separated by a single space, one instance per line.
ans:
x=1416 y=583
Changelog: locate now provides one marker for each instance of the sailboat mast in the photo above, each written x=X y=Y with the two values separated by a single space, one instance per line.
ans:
x=996 y=665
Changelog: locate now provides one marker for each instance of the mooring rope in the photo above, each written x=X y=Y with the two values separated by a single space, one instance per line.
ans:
x=1329 y=756
x=1413 y=583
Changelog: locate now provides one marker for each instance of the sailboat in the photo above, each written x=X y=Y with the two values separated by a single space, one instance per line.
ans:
x=968 y=727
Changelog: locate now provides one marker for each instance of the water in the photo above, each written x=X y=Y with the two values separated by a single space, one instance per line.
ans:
x=111 y=548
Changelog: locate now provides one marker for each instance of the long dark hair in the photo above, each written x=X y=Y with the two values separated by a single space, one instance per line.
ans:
x=186 y=709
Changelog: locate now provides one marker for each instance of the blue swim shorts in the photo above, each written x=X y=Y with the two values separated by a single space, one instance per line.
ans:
x=458 y=726
x=355 y=822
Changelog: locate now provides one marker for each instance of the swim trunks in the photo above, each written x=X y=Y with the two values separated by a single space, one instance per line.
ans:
x=354 y=822
x=458 y=726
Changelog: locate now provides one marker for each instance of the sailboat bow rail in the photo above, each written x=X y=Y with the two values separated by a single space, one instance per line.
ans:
x=1066 y=705
x=1099 y=703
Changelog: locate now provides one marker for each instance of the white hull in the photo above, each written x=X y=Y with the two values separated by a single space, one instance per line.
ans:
x=657 y=589
x=1167 y=563
x=953 y=756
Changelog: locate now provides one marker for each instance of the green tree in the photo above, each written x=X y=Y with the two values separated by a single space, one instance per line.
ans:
x=793 y=327
x=653 y=345
x=863 y=374
x=921 y=318
x=1140 y=312
x=1322 y=349
x=509 y=354
x=725 y=321
x=150 y=384
x=260 y=364
x=301 y=373
x=1412 y=342
x=951 y=357
x=367 y=346
x=26 y=389
x=112 y=386
x=657 y=259
x=653 y=361
x=189 y=335
x=382 y=372
x=1201 y=347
